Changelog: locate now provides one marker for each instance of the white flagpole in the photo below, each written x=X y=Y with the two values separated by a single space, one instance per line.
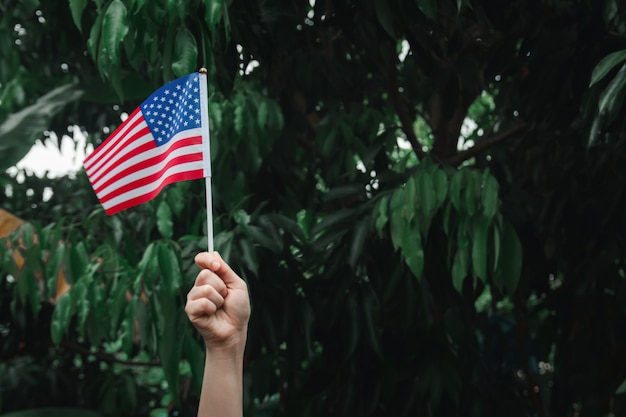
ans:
x=206 y=141
x=209 y=213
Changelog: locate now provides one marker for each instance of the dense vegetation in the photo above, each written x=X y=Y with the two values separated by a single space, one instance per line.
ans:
x=425 y=197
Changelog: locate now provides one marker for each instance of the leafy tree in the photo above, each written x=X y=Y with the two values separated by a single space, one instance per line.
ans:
x=425 y=198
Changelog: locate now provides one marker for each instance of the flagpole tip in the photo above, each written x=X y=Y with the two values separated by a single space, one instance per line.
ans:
x=202 y=70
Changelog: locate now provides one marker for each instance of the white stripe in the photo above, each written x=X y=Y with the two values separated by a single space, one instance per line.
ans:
x=137 y=192
x=108 y=143
x=159 y=150
x=128 y=146
x=204 y=117
x=152 y=169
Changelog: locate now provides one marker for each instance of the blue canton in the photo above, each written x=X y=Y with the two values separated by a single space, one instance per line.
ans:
x=173 y=108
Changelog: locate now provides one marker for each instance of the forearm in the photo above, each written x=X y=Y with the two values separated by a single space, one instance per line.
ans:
x=222 y=386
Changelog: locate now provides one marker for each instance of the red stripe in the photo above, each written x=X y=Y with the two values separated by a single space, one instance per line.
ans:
x=137 y=151
x=151 y=178
x=182 y=176
x=100 y=152
x=155 y=160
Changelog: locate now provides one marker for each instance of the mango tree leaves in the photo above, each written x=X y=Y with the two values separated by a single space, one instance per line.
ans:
x=471 y=220
x=20 y=130
x=606 y=65
x=185 y=53
x=509 y=267
x=77 y=7
x=114 y=29
x=611 y=97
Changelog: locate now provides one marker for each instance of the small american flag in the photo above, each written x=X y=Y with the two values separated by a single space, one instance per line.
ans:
x=165 y=140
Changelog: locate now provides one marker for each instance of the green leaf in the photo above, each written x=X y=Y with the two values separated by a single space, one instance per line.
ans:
x=461 y=4
x=94 y=36
x=60 y=318
x=413 y=251
x=248 y=256
x=425 y=193
x=612 y=90
x=170 y=269
x=385 y=16
x=358 y=241
x=396 y=222
x=185 y=53
x=128 y=326
x=606 y=65
x=490 y=196
x=262 y=113
x=145 y=266
x=114 y=29
x=213 y=12
x=440 y=184
x=76 y=263
x=332 y=220
x=380 y=215
x=460 y=268
x=456 y=187
x=165 y=223
x=176 y=198
x=510 y=268
x=271 y=241
x=116 y=302
x=470 y=194
x=239 y=115
x=53 y=268
x=77 y=7
x=479 y=248
x=195 y=356
x=496 y=243
x=428 y=7
x=81 y=301
x=621 y=389
x=170 y=348
x=20 y=130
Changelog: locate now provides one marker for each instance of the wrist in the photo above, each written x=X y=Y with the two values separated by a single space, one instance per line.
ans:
x=232 y=348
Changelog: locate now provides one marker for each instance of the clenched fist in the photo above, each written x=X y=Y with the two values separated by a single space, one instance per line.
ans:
x=218 y=304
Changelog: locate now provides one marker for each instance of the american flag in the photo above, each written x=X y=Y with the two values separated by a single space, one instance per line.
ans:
x=165 y=140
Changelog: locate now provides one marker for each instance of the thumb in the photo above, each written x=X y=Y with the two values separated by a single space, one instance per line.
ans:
x=214 y=262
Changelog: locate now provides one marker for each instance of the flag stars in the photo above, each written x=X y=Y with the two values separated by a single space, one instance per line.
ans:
x=172 y=110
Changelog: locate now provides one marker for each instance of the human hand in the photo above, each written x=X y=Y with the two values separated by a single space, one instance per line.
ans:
x=218 y=304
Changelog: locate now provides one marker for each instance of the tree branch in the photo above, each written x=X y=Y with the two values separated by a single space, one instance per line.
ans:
x=485 y=144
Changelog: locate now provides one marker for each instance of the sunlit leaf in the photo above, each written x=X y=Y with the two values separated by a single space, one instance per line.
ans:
x=606 y=65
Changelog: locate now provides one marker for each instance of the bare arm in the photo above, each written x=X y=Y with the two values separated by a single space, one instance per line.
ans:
x=219 y=308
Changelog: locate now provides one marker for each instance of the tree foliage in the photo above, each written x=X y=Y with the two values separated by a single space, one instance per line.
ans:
x=425 y=198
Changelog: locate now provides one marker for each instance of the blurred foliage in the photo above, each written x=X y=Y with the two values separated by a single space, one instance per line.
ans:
x=425 y=197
